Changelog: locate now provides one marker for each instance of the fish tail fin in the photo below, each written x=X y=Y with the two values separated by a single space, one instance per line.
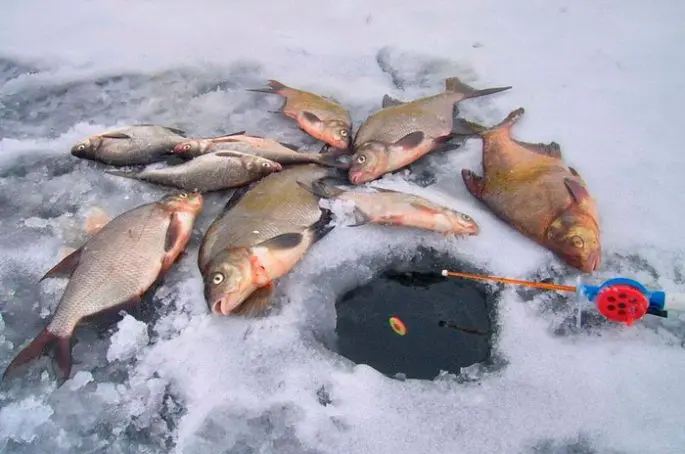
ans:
x=467 y=128
x=330 y=159
x=123 y=173
x=321 y=189
x=38 y=346
x=509 y=121
x=274 y=87
x=455 y=85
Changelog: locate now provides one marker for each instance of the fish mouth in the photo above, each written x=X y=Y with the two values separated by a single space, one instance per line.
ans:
x=359 y=177
x=224 y=305
x=472 y=229
x=592 y=262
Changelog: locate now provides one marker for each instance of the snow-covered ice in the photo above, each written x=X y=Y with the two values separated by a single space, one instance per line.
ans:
x=603 y=79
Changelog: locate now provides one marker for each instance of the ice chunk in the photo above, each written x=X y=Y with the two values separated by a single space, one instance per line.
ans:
x=80 y=379
x=130 y=337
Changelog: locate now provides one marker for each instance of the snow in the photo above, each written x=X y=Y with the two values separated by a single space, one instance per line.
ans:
x=603 y=79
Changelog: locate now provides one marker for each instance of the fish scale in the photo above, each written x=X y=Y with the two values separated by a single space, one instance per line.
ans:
x=114 y=263
x=208 y=172
x=117 y=265
x=274 y=206
x=432 y=116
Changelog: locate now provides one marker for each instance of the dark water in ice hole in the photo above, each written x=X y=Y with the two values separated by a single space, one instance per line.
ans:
x=429 y=306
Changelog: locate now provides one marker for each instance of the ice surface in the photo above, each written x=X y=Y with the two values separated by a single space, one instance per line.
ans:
x=604 y=79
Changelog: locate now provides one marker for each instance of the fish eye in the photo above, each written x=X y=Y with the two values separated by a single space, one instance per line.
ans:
x=361 y=159
x=186 y=147
x=577 y=241
x=465 y=217
x=81 y=147
x=266 y=165
x=343 y=133
x=217 y=279
x=183 y=195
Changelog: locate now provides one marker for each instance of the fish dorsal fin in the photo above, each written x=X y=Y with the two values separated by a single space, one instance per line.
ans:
x=229 y=154
x=312 y=118
x=289 y=146
x=385 y=190
x=411 y=140
x=551 y=149
x=66 y=266
x=389 y=101
x=180 y=132
x=579 y=192
x=236 y=197
x=237 y=133
x=115 y=135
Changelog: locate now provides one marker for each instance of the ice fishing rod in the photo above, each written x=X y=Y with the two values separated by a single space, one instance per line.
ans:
x=619 y=299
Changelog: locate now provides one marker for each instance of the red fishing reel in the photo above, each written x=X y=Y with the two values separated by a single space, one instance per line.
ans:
x=622 y=303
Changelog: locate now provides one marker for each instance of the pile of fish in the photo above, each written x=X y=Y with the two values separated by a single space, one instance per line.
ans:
x=274 y=216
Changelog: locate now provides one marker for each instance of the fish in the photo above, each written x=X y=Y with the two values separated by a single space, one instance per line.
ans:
x=131 y=145
x=210 y=172
x=320 y=117
x=530 y=187
x=394 y=208
x=403 y=132
x=282 y=153
x=263 y=233
x=112 y=270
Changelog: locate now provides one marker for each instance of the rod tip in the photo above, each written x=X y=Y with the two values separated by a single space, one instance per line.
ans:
x=444 y=273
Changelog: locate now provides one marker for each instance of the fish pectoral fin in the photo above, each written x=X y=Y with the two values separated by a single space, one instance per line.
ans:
x=257 y=302
x=575 y=173
x=551 y=149
x=284 y=241
x=174 y=237
x=65 y=267
x=44 y=341
x=579 y=192
x=411 y=140
x=115 y=135
x=312 y=118
x=360 y=217
x=424 y=208
x=473 y=183
x=389 y=101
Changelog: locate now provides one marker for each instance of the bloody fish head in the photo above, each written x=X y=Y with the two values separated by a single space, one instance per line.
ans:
x=228 y=281
x=87 y=148
x=189 y=149
x=337 y=134
x=575 y=237
x=191 y=202
x=368 y=162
